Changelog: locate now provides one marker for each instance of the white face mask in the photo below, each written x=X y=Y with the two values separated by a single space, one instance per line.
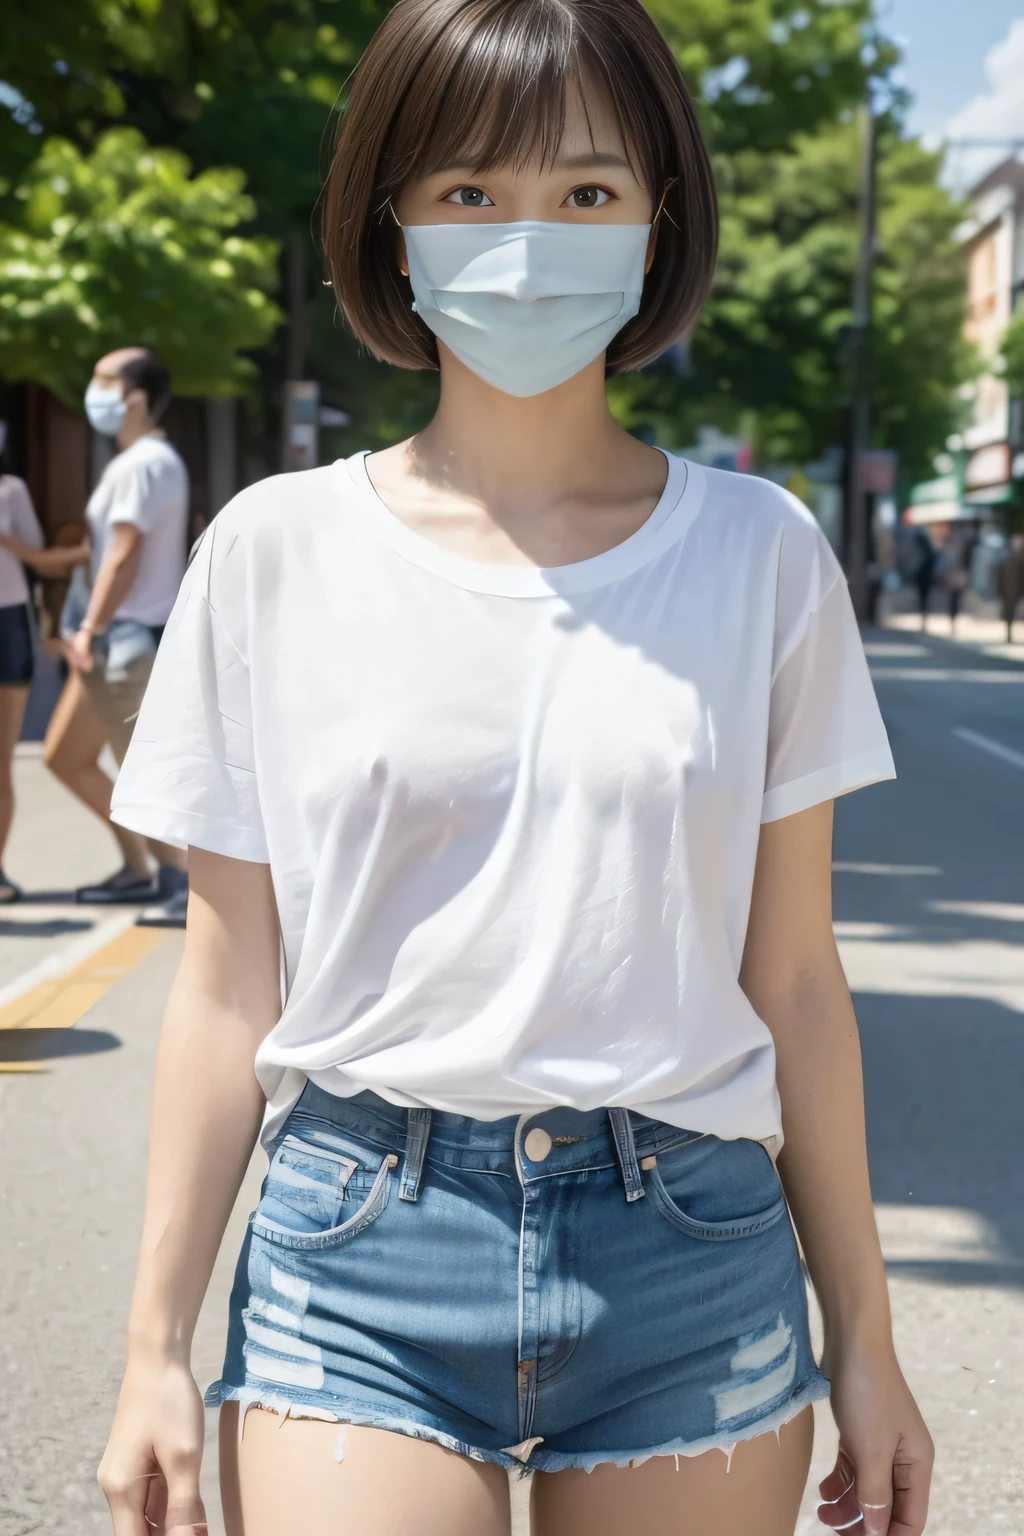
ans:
x=105 y=409
x=526 y=306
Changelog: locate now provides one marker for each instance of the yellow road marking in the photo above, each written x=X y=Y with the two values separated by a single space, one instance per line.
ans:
x=61 y=1002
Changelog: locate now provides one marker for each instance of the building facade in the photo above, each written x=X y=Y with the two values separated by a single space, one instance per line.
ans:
x=994 y=440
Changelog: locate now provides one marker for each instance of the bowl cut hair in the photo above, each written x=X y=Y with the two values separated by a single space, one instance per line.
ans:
x=485 y=83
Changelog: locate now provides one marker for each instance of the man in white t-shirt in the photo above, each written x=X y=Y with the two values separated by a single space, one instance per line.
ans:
x=138 y=531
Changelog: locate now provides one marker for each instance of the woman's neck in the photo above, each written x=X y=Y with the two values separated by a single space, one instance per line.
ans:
x=504 y=452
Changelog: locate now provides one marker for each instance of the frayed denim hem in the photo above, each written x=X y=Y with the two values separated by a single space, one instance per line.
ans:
x=300 y=1406
x=530 y=1455
x=812 y=1391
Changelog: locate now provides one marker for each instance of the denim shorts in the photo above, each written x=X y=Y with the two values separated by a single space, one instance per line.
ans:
x=558 y=1290
x=17 y=650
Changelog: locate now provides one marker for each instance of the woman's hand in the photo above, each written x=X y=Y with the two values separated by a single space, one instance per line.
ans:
x=150 y=1468
x=78 y=651
x=884 y=1468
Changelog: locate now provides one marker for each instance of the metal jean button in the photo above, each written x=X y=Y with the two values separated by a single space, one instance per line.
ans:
x=537 y=1145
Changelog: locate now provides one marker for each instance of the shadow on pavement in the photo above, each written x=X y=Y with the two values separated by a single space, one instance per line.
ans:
x=944 y=1081
x=20 y=1045
x=45 y=928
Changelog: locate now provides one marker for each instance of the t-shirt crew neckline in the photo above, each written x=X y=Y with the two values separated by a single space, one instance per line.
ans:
x=676 y=509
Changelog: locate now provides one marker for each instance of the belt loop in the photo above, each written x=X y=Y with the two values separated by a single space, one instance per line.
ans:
x=417 y=1134
x=625 y=1149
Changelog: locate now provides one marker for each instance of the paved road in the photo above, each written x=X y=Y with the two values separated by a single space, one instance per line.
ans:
x=930 y=913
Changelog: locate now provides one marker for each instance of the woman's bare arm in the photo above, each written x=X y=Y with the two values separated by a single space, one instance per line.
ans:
x=793 y=976
x=54 y=562
x=207 y=1108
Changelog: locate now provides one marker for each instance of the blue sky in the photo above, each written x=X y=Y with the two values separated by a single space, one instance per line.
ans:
x=947 y=43
x=964 y=63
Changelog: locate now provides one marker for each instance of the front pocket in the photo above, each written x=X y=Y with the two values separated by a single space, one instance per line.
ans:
x=311 y=1189
x=717 y=1190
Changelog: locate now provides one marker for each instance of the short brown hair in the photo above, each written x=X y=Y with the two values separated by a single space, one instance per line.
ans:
x=485 y=82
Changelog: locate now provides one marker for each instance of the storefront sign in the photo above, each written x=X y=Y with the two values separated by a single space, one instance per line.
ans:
x=876 y=471
x=988 y=466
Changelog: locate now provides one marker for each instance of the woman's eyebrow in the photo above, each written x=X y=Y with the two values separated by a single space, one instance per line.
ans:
x=591 y=161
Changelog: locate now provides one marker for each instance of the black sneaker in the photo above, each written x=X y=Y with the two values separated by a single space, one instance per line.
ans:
x=171 y=881
x=168 y=914
x=123 y=888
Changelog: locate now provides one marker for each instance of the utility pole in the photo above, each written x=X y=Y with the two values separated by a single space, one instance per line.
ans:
x=301 y=396
x=295 y=289
x=860 y=416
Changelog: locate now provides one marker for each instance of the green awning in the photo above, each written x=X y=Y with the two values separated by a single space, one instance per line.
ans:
x=945 y=489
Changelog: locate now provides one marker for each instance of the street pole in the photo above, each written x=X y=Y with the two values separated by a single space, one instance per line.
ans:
x=295 y=288
x=860 y=416
x=300 y=399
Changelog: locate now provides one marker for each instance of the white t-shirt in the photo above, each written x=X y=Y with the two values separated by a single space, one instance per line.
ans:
x=146 y=485
x=19 y=521
x=511 y=814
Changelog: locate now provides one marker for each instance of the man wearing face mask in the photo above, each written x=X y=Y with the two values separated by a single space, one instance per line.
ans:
x=137 y=519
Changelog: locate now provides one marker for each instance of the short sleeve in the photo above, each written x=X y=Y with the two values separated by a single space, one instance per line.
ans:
x=825 y=732
x=24 y=523
x=189 y=775
x=142 y=492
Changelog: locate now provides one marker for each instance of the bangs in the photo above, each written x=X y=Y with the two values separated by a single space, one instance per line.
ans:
x=494 y=90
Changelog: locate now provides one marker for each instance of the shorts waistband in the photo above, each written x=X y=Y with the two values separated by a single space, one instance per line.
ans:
x=539 y=1144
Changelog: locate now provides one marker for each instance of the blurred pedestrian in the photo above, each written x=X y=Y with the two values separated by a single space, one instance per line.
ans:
x=922 y=559
x=522 y=738
x=17 y=518
x=953 y=568
x=1010 y=581
x=112 y=624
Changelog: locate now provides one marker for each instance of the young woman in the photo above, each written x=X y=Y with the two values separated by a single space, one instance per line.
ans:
x=537 y=810
x=17 y=661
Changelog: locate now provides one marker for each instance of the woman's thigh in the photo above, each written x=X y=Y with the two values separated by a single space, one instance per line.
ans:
x=12 y=712
x=757 y=1493
x=287 y=1478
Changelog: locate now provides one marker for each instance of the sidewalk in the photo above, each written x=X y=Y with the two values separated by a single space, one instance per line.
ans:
x=988 y=636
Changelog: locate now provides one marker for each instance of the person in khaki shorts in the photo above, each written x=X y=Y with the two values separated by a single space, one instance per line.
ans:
x=137 y=519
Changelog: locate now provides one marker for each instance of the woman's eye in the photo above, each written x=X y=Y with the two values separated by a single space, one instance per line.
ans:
x=587 y=197
x=469 y=197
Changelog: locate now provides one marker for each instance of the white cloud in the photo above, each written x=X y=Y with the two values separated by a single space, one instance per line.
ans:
x=997 y=113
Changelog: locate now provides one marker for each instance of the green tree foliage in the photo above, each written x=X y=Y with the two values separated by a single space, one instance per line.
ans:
x=767 y=71
x=773 y=338
x=124 y=245
x=243 y=82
